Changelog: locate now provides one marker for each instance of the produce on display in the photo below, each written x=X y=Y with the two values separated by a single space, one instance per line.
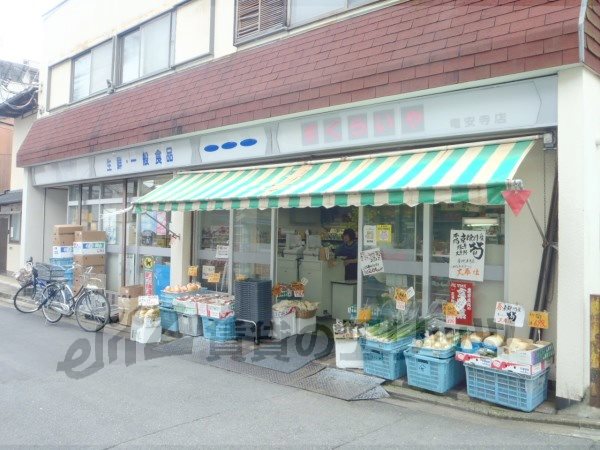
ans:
x=286 y=306
x=495 y=340
x=347 y=330
x=438 y=341
x=394 y=330
x=178 y=289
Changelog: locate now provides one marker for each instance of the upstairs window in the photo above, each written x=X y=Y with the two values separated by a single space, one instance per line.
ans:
x=256 y=18
x=304 y=11
x=146 y=50
x=91 y=70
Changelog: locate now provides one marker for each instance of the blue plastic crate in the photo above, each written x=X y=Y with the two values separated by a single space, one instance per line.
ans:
x=434 y=353
x=218 y=329
x=388 y=346
x=387 y=364
x=434 y=374
x=506 y=388
x=168 y=319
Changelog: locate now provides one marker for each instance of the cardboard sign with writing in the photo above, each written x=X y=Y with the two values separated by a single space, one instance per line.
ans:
x=214 y=277
x=449 y=310
x=222 y=252
x=148 y=300
x=400 y=305
x=539 y=319
x=192 y=271
x=207 y=271
x=467 y=255
x=461 y=295
x=371 y=262
x=509 y=314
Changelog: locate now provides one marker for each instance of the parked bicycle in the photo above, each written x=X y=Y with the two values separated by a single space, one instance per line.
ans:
x=33 y=280
x=90 y=306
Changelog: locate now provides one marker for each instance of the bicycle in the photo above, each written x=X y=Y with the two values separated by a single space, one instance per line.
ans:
x=28 y=298
x=90 y=306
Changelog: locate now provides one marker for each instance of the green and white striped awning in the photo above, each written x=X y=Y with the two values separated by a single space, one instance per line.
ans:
x=474 y=174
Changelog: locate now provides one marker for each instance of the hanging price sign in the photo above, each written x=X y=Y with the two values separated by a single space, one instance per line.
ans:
x=509 y=314
x=214 y=277
x=539 y=319
x=192 y=271
x=450 y=310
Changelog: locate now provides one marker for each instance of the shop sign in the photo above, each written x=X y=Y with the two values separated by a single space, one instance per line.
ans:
x=509 y=314
x=467 y=255
x=234 y=145
x=222 y=252
x=461 y=296
x=510 y=106
x=369 y=232
x=539 y=319
x=148 y=262
x=148 y=282
x=371 y=262
x=384 y=234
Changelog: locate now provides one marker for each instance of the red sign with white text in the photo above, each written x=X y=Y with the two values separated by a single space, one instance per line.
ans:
x=148 y=284
x=461 y=294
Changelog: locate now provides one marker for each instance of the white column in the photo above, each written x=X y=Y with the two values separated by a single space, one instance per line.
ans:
x=181 y=249
x=33 y=213
x=579 y=226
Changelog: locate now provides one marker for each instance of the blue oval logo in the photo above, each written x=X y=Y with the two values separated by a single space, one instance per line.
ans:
x=229 y=145
x=211 y=148
x=248 y=142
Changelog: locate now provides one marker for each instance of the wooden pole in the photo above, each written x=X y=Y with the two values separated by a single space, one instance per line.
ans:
x=595 y=351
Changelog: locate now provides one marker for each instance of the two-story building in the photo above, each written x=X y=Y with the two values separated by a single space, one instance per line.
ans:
x=263 y=119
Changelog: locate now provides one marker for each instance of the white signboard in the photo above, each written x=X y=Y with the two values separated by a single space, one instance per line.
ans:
x=207 y=270
x=467 y=255
x=222 y=252
x=509 y=314
x=369 y=235
x=371 y=262
x=89 y=248
x=148 y=300
x=234 y=145
x=62 y=251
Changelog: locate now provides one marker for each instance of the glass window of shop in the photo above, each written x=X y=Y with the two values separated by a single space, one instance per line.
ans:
x=211 y=231
x=252 y=244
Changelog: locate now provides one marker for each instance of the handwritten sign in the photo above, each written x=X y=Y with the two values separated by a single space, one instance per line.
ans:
x=461 y=295
x=539 y=319
x=148 y=300
x=369 y=235
x=371 y=262
x=384 y=233
x=449 y=310
x=214 y=277
x=222 y=252
x=400 y=305
x=509 y=314
x=207 y=271
x=192 y=271
x=450 y=320
x=148 y=282
x=467 y=255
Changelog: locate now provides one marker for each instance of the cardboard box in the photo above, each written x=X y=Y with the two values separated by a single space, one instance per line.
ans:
x=127 y=309
x=62 y=251
x=66 y=229
x=133 y=291
x=90 y=236
x=535 y=353
x=89 y=260
x=474 y=358
x=63 y=239
x=522 y=369
x=89 y=248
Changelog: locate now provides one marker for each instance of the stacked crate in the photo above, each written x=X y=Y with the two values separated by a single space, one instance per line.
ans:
x=62 y=248
x=89 y=249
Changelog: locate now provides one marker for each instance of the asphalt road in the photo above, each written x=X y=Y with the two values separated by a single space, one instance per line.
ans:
x=103 y=398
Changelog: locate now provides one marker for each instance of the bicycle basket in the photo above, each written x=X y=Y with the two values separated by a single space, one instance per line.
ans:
x=23 y=276
x=94 y=281
x=49 y=272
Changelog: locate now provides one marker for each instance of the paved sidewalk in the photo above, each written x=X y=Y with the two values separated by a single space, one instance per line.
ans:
x=579 y=415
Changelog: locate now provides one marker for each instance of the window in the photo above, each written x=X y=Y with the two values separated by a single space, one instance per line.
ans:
x=256 y=18
x=146 y=50
x=15 y=228
x=91 y=70
x=302 y=11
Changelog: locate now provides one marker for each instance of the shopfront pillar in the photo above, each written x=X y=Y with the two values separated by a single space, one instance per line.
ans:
x=181 y=246
x=579 y=222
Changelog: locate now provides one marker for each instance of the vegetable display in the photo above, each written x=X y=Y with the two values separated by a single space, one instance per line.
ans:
x=394 y=330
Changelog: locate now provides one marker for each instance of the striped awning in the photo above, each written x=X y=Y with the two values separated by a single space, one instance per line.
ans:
x=474 y=174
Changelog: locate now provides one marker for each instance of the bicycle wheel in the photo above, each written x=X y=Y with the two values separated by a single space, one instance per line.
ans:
x=54 y=303
x=92 y=311
x=27 y=298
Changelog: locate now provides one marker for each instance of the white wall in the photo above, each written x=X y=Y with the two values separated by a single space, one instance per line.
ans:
x=55 y=213
x=579 y=225
x=181 y=224
x=21 y=128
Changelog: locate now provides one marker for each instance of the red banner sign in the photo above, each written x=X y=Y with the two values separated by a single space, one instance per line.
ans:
x=516 y=199
x=461 y=295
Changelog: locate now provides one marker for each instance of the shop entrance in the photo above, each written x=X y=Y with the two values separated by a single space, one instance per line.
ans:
x=3 y=242
x=319 y=246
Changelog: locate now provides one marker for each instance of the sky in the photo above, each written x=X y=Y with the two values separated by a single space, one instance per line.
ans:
x=21 y=25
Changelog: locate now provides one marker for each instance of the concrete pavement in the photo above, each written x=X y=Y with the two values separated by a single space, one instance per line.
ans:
x=61 y=386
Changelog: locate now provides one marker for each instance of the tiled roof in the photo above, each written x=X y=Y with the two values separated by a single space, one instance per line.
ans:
x=407 y=47
x=10 y=197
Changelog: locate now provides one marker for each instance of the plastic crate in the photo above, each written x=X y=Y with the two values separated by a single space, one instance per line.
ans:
x=168 y=319
x=183 y=307
x=389 y=346
x=190 y=325
x=431 y=373
x=218 y=329
x=387 y=364
x=50 y=272
x=253 y=300
x=509 y=389
x=166 y=298
x=434 y=353
x=348 y=354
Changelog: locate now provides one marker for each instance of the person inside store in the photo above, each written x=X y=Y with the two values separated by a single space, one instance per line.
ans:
x=348 y=249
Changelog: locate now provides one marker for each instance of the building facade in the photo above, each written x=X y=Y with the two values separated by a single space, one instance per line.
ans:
x=329 y=93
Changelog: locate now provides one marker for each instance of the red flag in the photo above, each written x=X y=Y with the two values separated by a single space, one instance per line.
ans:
x=516 y=199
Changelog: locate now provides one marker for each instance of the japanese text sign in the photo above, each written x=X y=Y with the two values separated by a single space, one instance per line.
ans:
x=214 y=277
x=509 y=314
x=467 y=255
x=371 y=261
x=222 y=252
x=539 y=319
x=207 y=271
x=461 y=296
x=384 y=233
x=192 y=271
